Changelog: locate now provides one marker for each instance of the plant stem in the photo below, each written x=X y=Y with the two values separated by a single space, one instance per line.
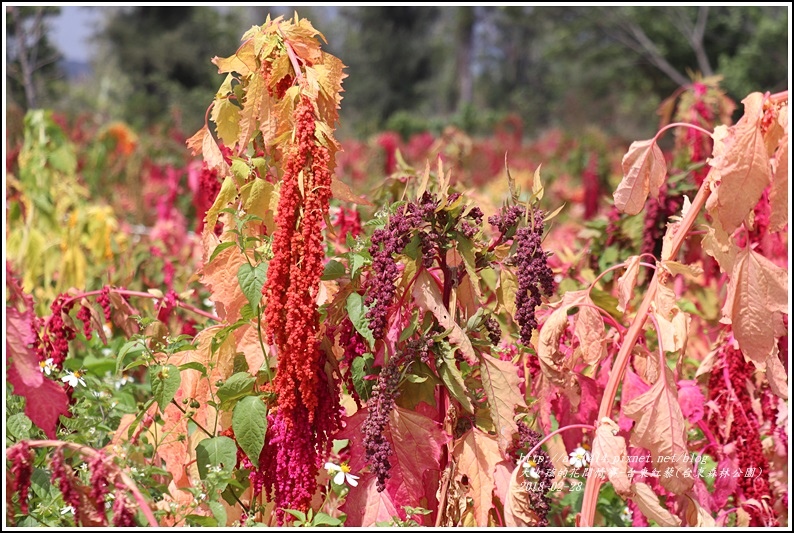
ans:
x=557 y=432
x=210 y=435
x=587 y=515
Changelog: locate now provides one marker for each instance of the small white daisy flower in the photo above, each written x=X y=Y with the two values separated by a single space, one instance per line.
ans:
x=73 y=378
x=48 y=366
x=626 y=514
x=67 y=510
x=342 y=474
x=530 y=469
x=580 y=457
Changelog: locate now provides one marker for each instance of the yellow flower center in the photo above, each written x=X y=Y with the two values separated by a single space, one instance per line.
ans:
x=78 y=374
x=345 y=468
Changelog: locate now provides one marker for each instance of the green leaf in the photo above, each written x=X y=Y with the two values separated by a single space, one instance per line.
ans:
x=360 y=368
x=240 y=363
x=219 y=512
x=356 y=262
x=323 y=519
x=297 y=514
x=607 y=302
x=466 y=249
x=252 y=279
x=249 y=422
x=134 y=346
x=216 y=451
x=19 y=426
x=99 y=366
x=41 y=484
x=358 y=316
x=453 y=379
x=412 y=248
x=247 y=312
x=333 y=270
x=237 y=386
x=221 y=247
x=194 y=365
x=165 y=382
x=201 y=520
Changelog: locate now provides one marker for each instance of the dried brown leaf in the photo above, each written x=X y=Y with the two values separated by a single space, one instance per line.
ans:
x=609 y=454
x=518 y=507
x=697 y=516
x=644 y=170
x=757 y=295
x=341 y=191
x=648 y=502
x=778 y=195
x=627 y=282
x=743 y=167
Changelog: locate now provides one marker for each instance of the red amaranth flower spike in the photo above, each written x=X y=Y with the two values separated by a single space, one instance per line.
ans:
x=21 y=457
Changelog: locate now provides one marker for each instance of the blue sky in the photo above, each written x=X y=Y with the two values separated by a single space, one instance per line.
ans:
x=72 y=29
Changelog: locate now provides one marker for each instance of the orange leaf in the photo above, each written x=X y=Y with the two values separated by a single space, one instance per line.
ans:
x=609 y=453
x=648 y=502
x=757 y=295
x=661 y=429
x=220 y=277
x=341 y=191
x=644 y=170
x=477 y=454
x=203 y=142
x=743 y=167
x=501 y=385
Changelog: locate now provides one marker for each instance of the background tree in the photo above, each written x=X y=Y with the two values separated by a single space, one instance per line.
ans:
x=31 y=59
x=164 y=53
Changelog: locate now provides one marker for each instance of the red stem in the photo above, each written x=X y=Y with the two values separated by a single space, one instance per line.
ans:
x=682 y=125
x=557 y=432
x=125 y=292
x=587 y=515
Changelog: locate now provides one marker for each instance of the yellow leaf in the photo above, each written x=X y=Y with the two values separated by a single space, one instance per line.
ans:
x=778 y=195
x=227 y=193
x=501 y=384
x=226 y=116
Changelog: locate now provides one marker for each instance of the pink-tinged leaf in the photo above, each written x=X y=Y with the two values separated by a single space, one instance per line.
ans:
x=501 y=479
x=428 y=297
x=501 y=384
x=417 y=443
x=743 y=166
x=19 y=353
x=691 y=400
x=778 y=195
x=644 y=170
x=777 y=376
x=696 y=515
x=579 y=408
x=633 y=386
x=660 y=428
x=648 y=502
x=757 y=296
x=44 y=403
x=365 y=506
x=725 y=486
x=627 y=282
x=609 y=455
x=477 y=454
